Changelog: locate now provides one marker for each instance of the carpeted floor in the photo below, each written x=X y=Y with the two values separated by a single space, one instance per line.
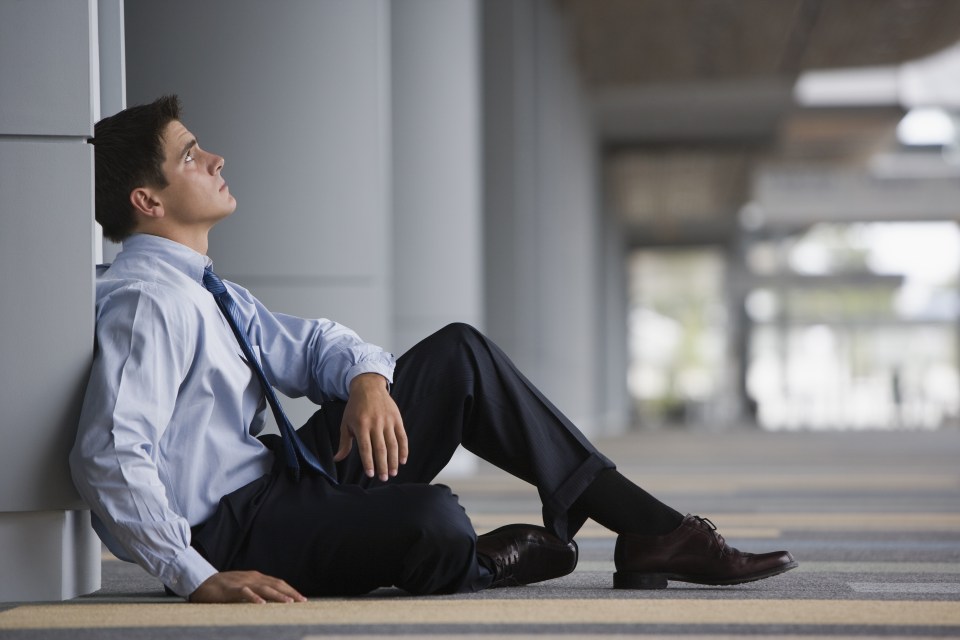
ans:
x=873 y=518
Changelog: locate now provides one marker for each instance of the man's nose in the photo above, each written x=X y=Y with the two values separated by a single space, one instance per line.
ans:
x=215 y=162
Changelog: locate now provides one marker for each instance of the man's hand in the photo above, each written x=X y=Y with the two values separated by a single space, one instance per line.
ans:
x=372 y=418
x=245 y=586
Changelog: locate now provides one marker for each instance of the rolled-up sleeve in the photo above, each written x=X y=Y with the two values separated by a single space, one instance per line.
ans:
x=317 y=358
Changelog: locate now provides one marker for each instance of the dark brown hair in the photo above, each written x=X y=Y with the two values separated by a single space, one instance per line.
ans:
x=128 y=153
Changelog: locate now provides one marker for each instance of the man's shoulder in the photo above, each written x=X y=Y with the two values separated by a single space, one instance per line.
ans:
x=126 y=294
x=143 y=275
x=116 y=290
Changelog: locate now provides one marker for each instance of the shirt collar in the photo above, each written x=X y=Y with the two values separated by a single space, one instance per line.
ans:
x=177 y=255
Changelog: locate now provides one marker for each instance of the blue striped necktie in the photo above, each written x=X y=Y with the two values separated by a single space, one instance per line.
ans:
x=294 y=451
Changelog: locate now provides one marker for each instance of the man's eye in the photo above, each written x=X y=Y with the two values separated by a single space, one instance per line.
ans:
x=188 y=157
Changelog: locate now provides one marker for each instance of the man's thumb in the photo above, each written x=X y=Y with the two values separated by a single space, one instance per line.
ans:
x=346 y=443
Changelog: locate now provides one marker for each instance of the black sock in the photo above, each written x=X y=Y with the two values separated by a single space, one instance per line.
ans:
x=616 y=503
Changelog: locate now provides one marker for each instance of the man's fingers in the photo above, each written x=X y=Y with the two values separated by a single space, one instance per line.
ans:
x=364 y=446
x=376 y=451
x=346 y=443
x=271 y=594
x=401 y=435
x=245 y=586
x=380 y=454
x=366 y=452
x=276 y=590
x=289 y=591
x=382 y=445
x=373 y=418
x=249 y=595
x=393 y=452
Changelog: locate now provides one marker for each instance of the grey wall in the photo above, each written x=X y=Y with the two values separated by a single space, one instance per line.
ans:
x=50 y=100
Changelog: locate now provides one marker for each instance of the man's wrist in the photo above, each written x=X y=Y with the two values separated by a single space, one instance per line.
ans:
x=188 y=572
x=369 y=381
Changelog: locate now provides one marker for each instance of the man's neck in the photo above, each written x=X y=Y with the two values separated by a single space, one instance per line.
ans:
x=196 y=239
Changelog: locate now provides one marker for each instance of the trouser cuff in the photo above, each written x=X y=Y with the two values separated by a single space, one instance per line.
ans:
x=556 y=507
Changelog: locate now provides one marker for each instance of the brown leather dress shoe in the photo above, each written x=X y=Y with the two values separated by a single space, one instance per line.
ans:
x=519 y=554
x=693 y=552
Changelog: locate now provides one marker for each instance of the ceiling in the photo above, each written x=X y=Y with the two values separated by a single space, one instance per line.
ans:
x=689 y=93
x=705 y=70
x=634 y=42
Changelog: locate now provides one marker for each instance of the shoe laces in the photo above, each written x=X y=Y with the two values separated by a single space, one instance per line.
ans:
x=504 y=565
x=507 y=563
x=712 y=528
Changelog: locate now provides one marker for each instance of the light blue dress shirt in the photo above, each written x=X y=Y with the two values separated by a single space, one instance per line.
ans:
x=172 y=409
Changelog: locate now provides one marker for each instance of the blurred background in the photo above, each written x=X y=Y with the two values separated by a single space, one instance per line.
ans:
x=670 y=213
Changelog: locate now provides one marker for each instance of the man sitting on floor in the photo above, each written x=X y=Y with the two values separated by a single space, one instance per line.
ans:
x=168 y=458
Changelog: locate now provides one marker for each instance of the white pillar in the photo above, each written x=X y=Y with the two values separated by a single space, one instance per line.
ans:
x=541 y=202
x=438 y=233
x=615 y=409
x=50 y=100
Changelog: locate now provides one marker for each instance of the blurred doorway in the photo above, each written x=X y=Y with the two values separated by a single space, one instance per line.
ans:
x=677 y=331
x=842 y=326
x=855 y=326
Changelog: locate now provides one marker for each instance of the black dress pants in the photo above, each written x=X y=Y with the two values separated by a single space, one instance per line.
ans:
x=455 y=387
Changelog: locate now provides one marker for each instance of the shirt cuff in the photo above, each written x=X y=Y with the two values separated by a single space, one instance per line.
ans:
x=187 y=572
x=384 y=369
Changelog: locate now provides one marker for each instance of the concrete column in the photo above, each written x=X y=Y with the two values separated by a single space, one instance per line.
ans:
x=438 y=233
x=614 y=412
x=541 y=201
x=295 y=95
x=49 y=83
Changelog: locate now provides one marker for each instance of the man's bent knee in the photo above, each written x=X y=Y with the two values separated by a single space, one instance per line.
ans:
x=442 y=553
x=458 y=332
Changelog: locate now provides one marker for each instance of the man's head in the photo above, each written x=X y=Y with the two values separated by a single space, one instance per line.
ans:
x=152 y=176
x=128 y=152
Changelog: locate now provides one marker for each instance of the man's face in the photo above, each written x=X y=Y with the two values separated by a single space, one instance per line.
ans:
x=195 y=193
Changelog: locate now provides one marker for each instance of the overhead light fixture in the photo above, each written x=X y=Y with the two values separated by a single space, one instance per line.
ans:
x=927 y=127
x=861 y=87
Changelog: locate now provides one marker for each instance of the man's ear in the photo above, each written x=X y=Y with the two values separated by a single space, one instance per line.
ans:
x=145 y=202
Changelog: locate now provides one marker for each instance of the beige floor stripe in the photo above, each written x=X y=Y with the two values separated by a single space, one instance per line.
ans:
x=441 y=611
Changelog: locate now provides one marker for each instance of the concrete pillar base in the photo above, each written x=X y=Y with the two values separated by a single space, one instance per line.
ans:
x=47 y=555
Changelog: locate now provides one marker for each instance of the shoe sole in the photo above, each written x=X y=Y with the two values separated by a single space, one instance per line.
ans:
x=628 y=580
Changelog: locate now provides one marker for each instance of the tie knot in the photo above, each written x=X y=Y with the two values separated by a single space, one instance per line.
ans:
x=212 y=282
